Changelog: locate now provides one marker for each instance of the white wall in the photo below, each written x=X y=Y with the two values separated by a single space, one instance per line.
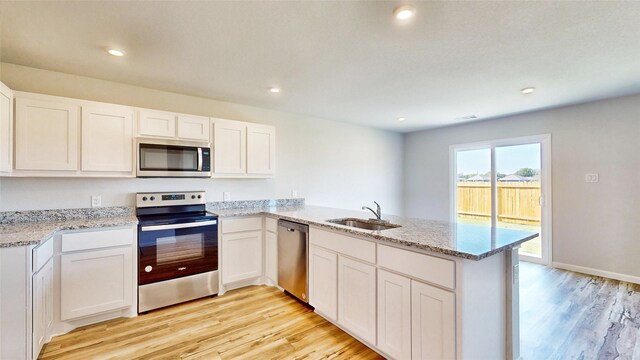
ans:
x=329 y=163
x=594 y=225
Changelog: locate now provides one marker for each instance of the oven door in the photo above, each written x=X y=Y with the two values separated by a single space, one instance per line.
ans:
x=175 y=250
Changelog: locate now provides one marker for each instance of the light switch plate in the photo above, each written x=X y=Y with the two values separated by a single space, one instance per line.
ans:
x=226 y=196
x=96 y=201
x=591 y=178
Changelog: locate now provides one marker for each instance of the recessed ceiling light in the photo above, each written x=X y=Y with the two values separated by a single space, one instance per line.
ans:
x=401 y=119
x=528 y=90
x=274 y=89
x=116 y=52
x=404 y=12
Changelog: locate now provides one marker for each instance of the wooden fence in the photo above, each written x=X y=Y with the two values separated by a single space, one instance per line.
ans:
x=518 y=202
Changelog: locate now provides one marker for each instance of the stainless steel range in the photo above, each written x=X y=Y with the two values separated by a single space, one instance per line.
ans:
x=177 y=249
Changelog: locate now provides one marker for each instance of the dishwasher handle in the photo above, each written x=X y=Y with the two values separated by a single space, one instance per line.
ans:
x=293 y=226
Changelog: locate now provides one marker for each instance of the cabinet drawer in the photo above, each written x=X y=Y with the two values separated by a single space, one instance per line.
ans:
x=428 y=268
x=42 y=254
x=347 y=245
x=97 y=239
x=271 y=225
x=243 y=224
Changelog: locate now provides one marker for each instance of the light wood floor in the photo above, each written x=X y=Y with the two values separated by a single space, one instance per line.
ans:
x=566 y=315
x=252 y=323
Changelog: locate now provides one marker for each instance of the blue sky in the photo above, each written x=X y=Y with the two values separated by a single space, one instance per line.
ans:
x=508 y=159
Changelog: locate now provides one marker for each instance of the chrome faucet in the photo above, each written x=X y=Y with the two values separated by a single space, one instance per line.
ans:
x=377 y=213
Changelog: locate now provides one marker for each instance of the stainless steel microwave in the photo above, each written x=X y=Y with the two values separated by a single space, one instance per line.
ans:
x=170 y=158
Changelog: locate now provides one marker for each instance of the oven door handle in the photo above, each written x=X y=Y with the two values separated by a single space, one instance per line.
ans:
x=178 y=226
x=199 y=159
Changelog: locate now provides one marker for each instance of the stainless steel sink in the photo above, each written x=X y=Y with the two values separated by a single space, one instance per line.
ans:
x=364 y=224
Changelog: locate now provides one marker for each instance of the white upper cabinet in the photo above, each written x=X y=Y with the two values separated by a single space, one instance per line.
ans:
x=229 y=147
x=47 y=135
x=6 y=129
x=261 y=150
x=152 y=123
x=243 y=149
x=194 y=127
x=156 y=123
x=107 y=138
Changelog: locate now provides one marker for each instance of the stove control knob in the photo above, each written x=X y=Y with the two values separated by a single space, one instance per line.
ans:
x=199 y=196
x=144 y=198
x=193 y=196
x=153 y=198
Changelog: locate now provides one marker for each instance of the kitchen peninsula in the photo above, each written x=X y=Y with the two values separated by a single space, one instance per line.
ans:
x=428 y=288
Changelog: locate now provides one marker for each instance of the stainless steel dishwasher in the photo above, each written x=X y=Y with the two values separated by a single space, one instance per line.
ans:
x=293 y=253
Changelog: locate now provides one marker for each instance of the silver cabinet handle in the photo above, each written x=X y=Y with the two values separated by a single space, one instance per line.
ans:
x=179 y=226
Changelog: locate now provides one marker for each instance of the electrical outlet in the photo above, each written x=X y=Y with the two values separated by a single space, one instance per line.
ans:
x=516 y=273
x=294 y=193
x=226 y=196
x=591 y=178
x=96 y=201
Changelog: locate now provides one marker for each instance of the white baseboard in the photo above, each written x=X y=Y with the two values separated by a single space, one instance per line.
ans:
x=596 y=272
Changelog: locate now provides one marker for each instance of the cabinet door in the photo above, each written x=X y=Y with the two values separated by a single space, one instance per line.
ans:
x=271 y=256
x=432 y=322
x=241 y=256
x=42 y=311
x=394 y=315
x=6 y=129
x=156 y=123
x=194 y=128
x=107 y=139
x=357 y=298
x=48 y=298
x=39 y=315
x=261 y=150
x=46 y=135
x=230 y=147
x=96 y=281
x=323 y=282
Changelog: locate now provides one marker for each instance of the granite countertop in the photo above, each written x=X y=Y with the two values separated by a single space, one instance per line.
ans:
x=34 y=233
x=471 y=242
x=460 y=240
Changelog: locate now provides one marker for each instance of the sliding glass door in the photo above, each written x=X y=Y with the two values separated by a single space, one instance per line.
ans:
x=504 y=184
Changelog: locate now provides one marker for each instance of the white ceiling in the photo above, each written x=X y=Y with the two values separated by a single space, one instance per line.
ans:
x=347 y=61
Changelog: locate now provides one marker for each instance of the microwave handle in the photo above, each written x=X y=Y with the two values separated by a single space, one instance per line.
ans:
x=178 y=226
x=199 y=159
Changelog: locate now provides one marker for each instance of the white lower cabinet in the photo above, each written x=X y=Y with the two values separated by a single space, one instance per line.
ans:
x=271 y=256
x=394 y=300
x=323 y=282
x=394 y=315
x=357 y=298
x=241 y=256
x=433 y=322
x=96 y=281
x=42 y=315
